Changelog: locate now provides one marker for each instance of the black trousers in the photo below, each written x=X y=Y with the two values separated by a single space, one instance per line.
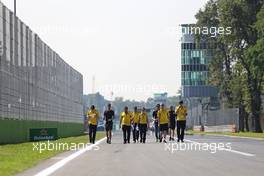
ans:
x=126 y=133
x=135 y=132
x=181 y=125
x=92 y=133
x=143 y=132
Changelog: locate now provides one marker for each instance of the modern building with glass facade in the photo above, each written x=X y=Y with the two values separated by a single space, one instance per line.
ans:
x=37 y=88
x=195 y=57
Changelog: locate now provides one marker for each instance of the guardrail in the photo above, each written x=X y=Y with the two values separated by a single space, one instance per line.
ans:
x=220 y=128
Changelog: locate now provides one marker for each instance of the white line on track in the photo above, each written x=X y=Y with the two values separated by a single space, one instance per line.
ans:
x=239 y=137
x=225 y=149
x=64 y=161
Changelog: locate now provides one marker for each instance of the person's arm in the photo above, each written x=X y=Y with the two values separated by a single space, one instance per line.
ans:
x=97 y=115
x=120 y=121
x=113 y=117
x=131 y=119
x=176 y=111
x=153 y=115
x=88 y=116
x=147 y=122
x=186 y=111
x=104 y=116
x=132 y=116
x=168 y=117
x=158 y=117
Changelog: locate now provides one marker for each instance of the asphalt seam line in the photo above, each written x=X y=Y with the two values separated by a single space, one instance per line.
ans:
x=228 y=150
x=51 y=169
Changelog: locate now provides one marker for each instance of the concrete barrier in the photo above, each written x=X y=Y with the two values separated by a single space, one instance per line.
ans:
x=197 y=128
x=220 y=128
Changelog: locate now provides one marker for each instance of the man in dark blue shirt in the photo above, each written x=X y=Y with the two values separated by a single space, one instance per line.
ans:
x=156 y=122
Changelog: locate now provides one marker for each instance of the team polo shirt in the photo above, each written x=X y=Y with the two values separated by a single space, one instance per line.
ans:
x=135 y=116
x=163 y=116
x=143 y=118
x=181 y=112
x=93 y=116
x=125 y=118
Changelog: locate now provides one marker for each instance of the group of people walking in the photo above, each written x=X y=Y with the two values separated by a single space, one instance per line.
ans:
x=164 y=122
x=139 y=123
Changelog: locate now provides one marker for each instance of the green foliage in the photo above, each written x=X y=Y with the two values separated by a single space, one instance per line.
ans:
x=238 y=62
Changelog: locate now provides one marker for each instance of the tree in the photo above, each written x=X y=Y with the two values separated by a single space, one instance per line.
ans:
x=238 y=59
x=241 y=15
x=255 y=60
x=220 y=72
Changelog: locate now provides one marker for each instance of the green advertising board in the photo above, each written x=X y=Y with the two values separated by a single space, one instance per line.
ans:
x=40 y=134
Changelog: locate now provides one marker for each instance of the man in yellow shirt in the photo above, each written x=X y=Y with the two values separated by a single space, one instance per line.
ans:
x=143 y=125
x=163 y=119
x=125 y=124
x=181 y=113
x=93 y=116
x=135 y=117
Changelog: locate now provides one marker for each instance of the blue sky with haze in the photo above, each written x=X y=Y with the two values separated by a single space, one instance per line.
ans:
x=132 y=47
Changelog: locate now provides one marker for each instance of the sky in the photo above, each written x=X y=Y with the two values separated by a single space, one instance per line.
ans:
x=130 y=47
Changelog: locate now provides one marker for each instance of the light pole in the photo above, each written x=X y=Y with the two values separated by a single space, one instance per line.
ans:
x=15 y=7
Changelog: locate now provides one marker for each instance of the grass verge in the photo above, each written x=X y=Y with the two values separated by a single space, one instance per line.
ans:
x=15 y=158
x=239 y=134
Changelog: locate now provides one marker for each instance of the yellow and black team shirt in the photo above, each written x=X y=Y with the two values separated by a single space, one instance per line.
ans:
x=163 y=116
x=93 y=116
x=143 y=118
x=135 y=116
x=126 y=118
x=181 y=112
